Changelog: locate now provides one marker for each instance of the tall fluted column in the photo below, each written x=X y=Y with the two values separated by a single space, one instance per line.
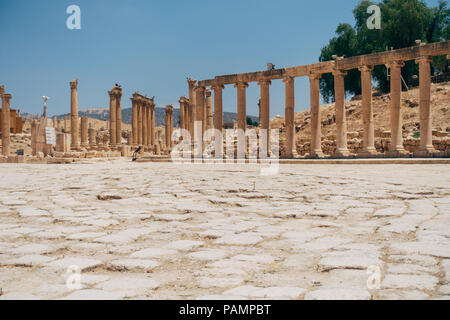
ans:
x=208 y=113
x=241 y=104
x=241 y=117
x=112 y=117
x=92 y=137
x=145 y=127
x=153 y=123
x=218 y=120
x=426 y=138
x=289 y=116
x=139 y=108
x=199 y=104
x=148 y=119
x=118 y=116
x=316 y=134
x=192 y=107
x=134 y=120
x=341 y=119
x=182 y=116
x=396 y=113
x=169 y=126
x=75 y=144
x=367 y=112
x=198 y=125
x=84 y=132
x=6 y=123
x=265 y=112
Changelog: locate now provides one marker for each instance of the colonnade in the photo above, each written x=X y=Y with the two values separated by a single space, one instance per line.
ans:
x=194 y=107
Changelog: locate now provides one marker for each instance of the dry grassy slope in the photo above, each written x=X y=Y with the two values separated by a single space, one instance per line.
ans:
x=440 y=105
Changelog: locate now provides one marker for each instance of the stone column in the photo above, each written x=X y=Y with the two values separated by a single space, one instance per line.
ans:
x=426 y=138
x=198 y=128
x=6 y=122
x=148 y=119
x=145 y=127
x=209 y=113
x=199 y=104
x=112 y=118
x=241 y=104
x=289 y=117
x=341 y=119
x=153 y=120
x=134 y=120
x=265 y=110
x=118 y=116
x=241 y=117
x=316 y=125
x=92 y=137
x=396 y=114
x=169 y=126
x=55 y=122
x=75 y=144
x=367 y=112
x=84 y=132
x=218 y=120
x=182 y=117
x=139 y=114
x=192 y=107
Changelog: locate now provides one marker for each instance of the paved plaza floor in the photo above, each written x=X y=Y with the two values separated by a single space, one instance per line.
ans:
x=123 y=230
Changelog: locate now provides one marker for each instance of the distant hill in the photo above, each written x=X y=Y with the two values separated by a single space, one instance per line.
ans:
x=103 y=114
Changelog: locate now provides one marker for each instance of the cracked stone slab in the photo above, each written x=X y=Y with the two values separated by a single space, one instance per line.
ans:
x=153 y=253
x=338 y=294
x=133 y=264
x=351 y=259
x=83 y=263
x=269 y=292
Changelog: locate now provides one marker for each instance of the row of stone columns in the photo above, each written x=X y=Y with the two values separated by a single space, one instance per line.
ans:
x=189 y=107
x=143 y=120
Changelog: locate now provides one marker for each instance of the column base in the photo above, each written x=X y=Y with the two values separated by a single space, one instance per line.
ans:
x=341 y=153
x=368 y=152
x=316 y=154
x=396 y=153
x=425 y=152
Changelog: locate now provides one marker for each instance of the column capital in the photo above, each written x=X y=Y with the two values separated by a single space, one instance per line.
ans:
x=424 y=59
x=365 y=68
x=288 y=79
x=314 y=76
x=339 y=73
x=112 y=94
x=169 y=109
x=74 y=84
x=218 y=87
x=6 y=96
x=191 y=82
x=264 y=82
x=241 y=84
x=200 y=89
x=395 y=64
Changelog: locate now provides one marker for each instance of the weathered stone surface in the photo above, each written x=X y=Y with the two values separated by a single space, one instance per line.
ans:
x=83 y=263
x=133 y=264
x=338 y=294
x=270 y=292
x=233 y=236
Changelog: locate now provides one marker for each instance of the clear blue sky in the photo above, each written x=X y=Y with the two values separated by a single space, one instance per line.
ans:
x=151 y=46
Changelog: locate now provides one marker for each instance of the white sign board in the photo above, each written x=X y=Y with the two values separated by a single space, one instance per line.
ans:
x=50 y=135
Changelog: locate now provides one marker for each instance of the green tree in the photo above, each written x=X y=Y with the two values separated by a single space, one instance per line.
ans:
x=402 y=23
